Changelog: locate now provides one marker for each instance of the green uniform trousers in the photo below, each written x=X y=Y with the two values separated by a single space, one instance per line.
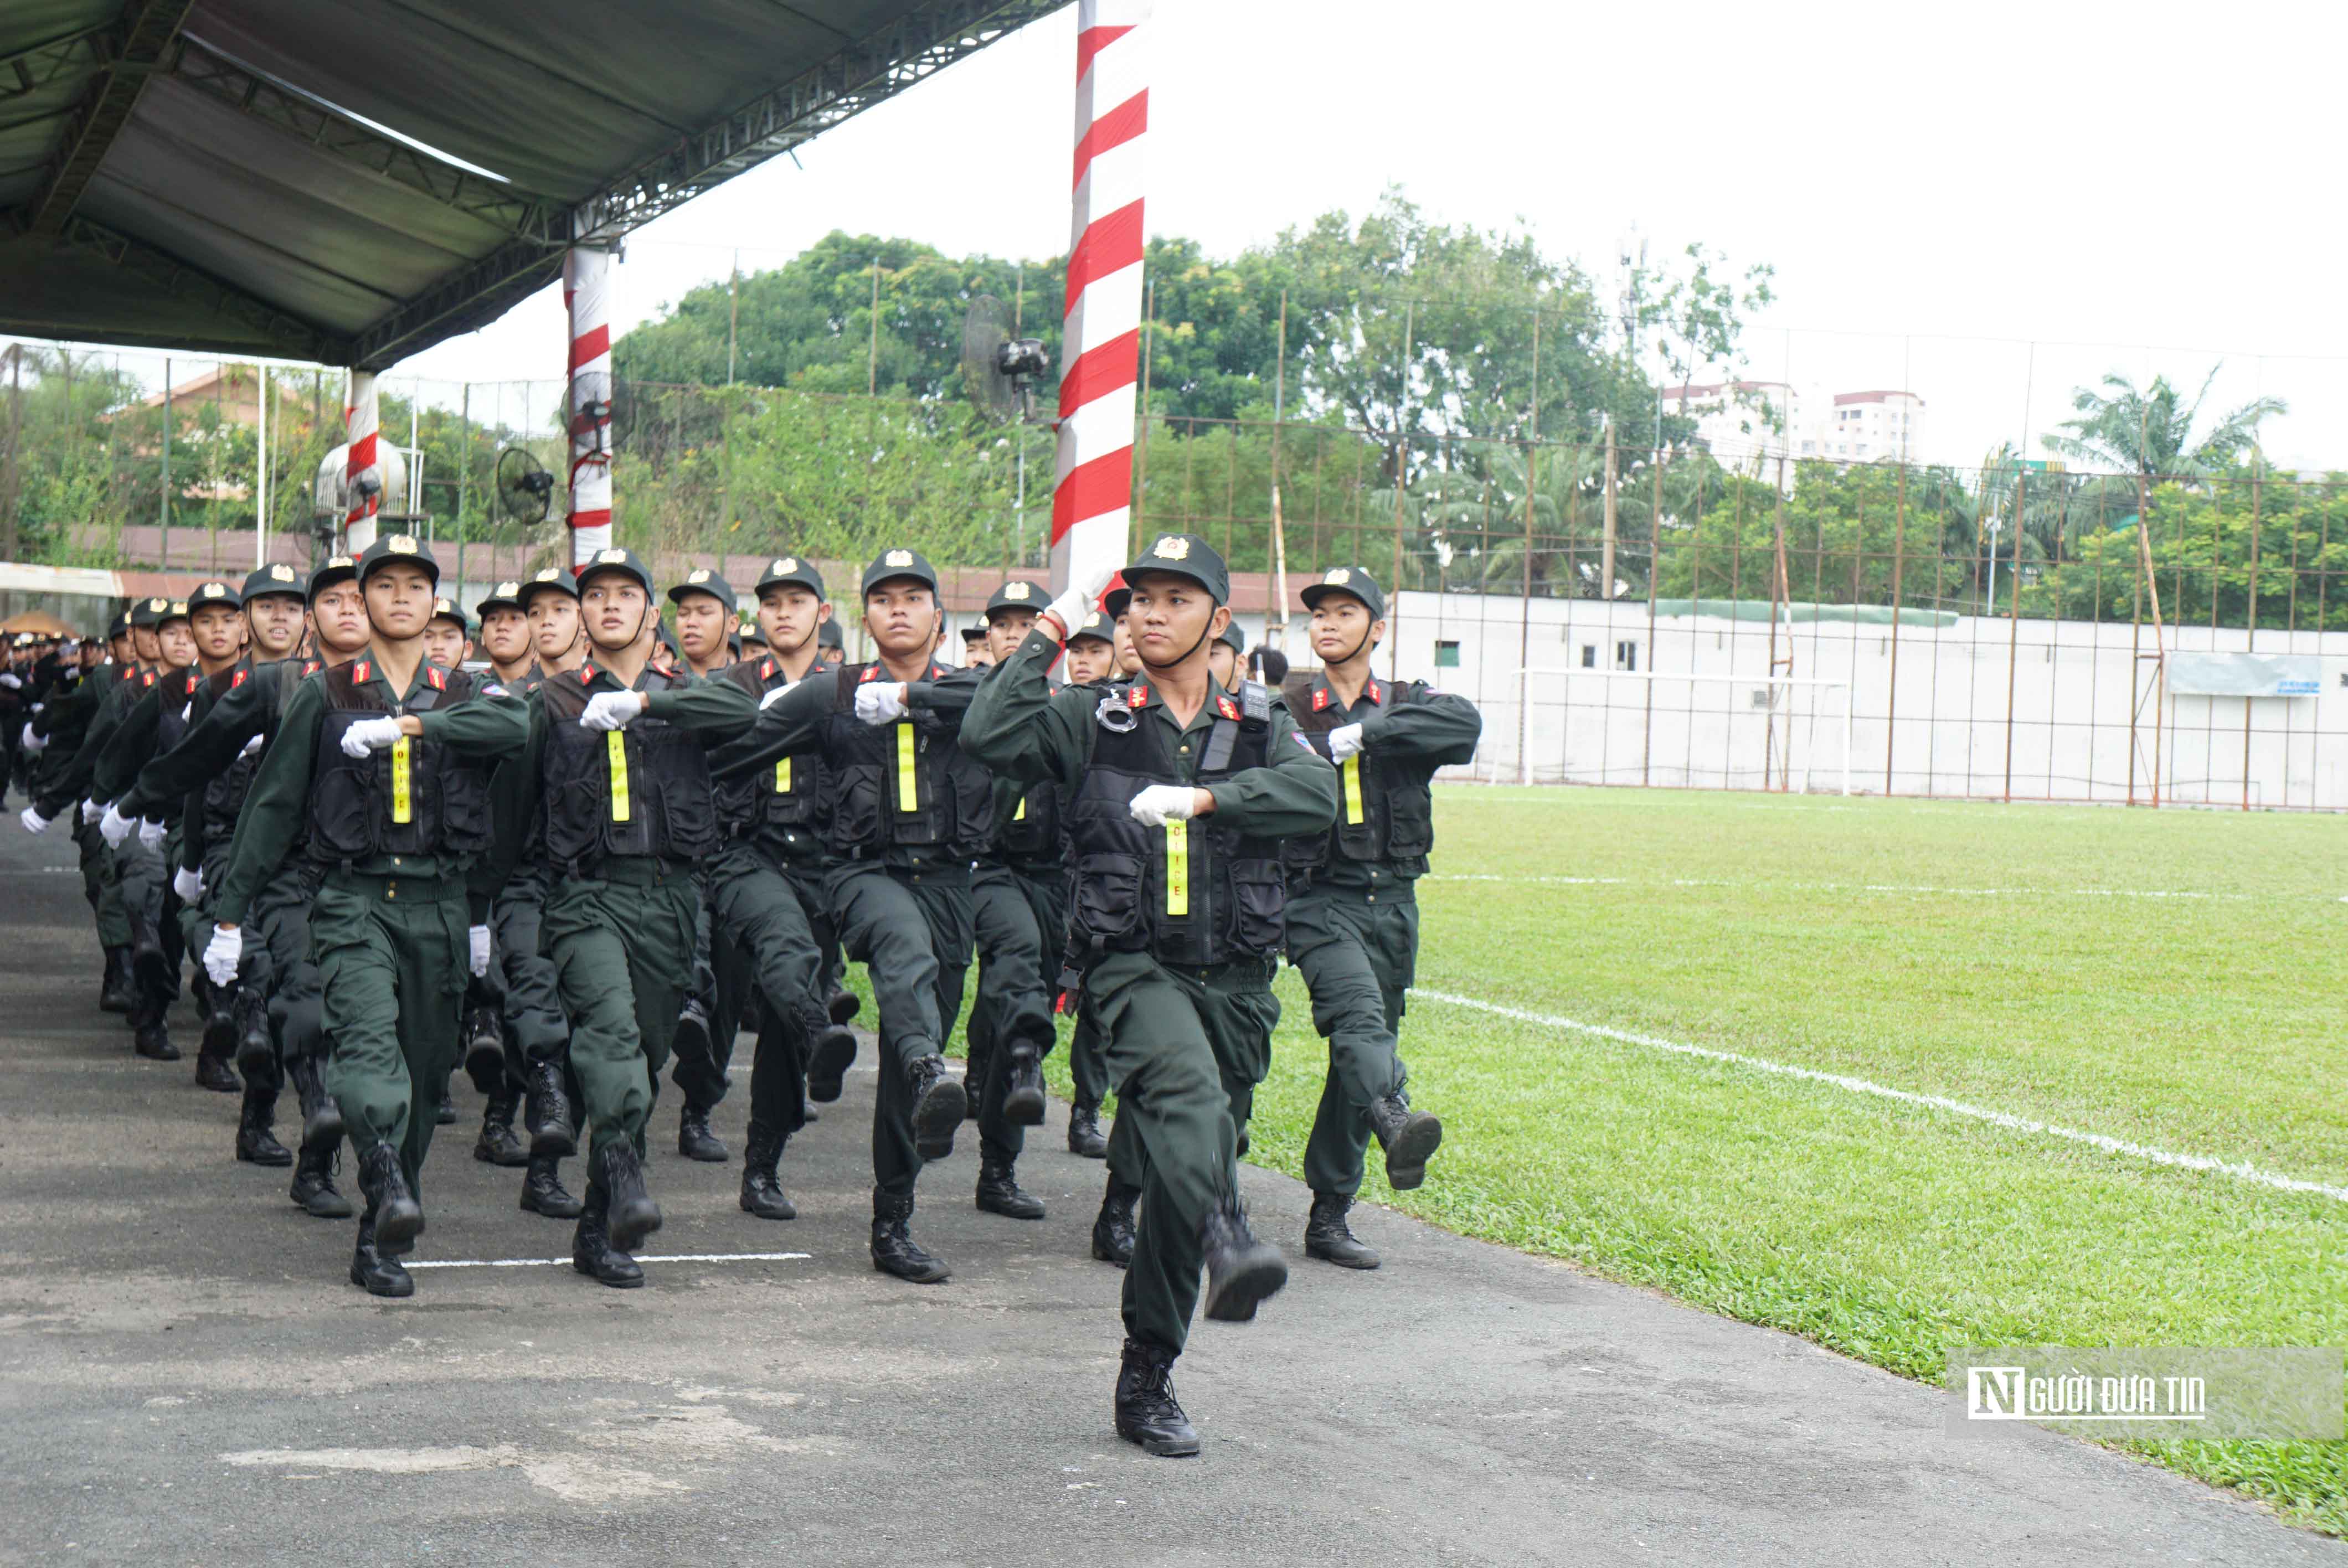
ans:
x=530 y=997
x=621 y=945
x=99 y=884
x=1184 y=1048
x=1020 y=919
x=1357 y=959
x=144 y=882
x=912 y=932
x=391 y=955
x=277 y=962
x=765 y=923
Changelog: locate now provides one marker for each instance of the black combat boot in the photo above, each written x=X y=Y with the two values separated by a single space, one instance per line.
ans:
x=152 y=971
x=321 y=1114
x=828 y=1056
x=1407 y=1136
x=938 y=1106
x=629 y=1209
x=1084 y=1136
x=1146 y=1411
x=218 y=1008
x=256 y=1143
x=543 y=1192
x=694 y=1141
x=1330 y=1239
x=1023 y=1087
x=974 y=1081
x=445 y=1113
x=398 y=1218
x=497 y=1145
x=213 y=1072
x=314 y=1181
x=893 y=1248
x=152 y=1039
x=843 y=1005
x=1240 y=1270
x=549 y=1112
x=114 y=990
x=485 y=1051
x=692 y=1038
x=999 y=1193
x=591 y=1251
x=375 y=1270
x=762 y=1186
x=1113 y=1227
x=247 y=1012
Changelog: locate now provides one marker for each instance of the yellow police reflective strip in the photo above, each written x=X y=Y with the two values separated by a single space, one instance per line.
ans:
x=403 y=806
x=617 y=750
x=1178 y=868
x=1354 y=789
x=909 y=778
x=1021 y=814
x=783 y=777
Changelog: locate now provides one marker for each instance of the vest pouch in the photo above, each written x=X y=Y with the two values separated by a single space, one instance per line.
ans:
x=863 y=797
x=1410 y=825
x=1108 y=894
x=1259 y=906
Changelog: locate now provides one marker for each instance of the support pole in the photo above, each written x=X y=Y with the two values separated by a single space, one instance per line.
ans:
x=164 y=502
x=362 y=469
x=261 y=477
x=587 y=295
x=1092 y=488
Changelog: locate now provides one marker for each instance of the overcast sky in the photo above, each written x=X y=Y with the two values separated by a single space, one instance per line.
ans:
x=2136 y=186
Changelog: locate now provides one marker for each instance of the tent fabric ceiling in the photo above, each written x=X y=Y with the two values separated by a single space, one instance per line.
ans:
x=200 y=174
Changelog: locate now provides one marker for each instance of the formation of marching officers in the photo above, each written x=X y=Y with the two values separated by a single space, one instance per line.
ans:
x=613 y=849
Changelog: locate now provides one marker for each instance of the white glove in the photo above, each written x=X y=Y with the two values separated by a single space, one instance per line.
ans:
x=223 y=955
x=1345 y=740
x=189 y=884
x=611 y=710
x=773 y=697
x=31 y=742
x=1159 y=804
x=366 y=736
x=10 y=678
x=151 y=833
x=253 y=746
x=477 y=937
x=90 y=812
x=882 y=701
x=34 y=821
x=114 y=827
x=1071 y=607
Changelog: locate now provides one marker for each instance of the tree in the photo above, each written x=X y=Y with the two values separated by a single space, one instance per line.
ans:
x=2147 y=432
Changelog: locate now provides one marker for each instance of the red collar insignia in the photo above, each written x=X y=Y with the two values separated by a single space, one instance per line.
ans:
x=1226 y=707
x=310 y=666
x=1320 y=698
x=439 y=681
x=1373 y=693
x=362 y=671
x=767 y=670
x=586 y=672
x=871 y=672
x=239 y=678
x=147 y=677
x=1136 y=697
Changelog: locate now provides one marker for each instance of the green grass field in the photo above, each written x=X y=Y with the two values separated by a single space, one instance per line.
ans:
x=2172 y=979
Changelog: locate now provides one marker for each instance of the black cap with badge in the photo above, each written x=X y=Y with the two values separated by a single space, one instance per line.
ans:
x=551 y=580
x=892 y=565
x=1097 y=623
x=1016 y=594
x=339 y=569
x=118 y=627
x=214 y=593
x=1234 y=637
x=790 y=571
x=828 y=636
x=701 y=579
x=274 y=577
x=1347 y=579
x=149 y=613
x=398 y=549
x=445 y=609
x=506 y=595
x=1183 y=554
x=615 y=558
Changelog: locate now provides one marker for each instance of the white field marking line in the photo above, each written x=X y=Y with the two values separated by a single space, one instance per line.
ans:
x=1886 y=887
x=640 y=1257
x=2242 y=1170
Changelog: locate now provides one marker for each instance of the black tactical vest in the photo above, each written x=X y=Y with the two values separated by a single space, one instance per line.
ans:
x=1031 y=836
x=901 y=784
x=224 y=792
x=415 y=798
x=1382 y=815
x=641 y=791
x=791 y=793
x=1189 y=894
x=171 y=717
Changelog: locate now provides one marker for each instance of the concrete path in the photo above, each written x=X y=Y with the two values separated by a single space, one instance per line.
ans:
x=186 y=1378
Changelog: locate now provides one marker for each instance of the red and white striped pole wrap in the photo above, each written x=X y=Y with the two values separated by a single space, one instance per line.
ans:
x=360 y=460
x=587 y=295
x=1092 y=489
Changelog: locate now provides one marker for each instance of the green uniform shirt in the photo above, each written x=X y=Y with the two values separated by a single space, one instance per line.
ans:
x=1020 y=727
x=67 y=787
x=486 y=727
x=1408 y=740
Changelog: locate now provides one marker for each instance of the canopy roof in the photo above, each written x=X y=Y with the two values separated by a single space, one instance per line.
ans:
x=288 y=177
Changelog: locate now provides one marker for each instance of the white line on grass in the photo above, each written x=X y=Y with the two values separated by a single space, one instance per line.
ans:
x=2240 y=1170
x=1925 y=889
x=641 y=1257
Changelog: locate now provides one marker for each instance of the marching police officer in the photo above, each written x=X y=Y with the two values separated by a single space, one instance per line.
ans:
x=1352 y=918
x=1177 y=797
x=379 y=770
x=908 y=813
x=614 y=765
x=705 y=610
x=550 y=601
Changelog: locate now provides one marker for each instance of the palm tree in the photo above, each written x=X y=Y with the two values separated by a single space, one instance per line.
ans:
x=2146 y=432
